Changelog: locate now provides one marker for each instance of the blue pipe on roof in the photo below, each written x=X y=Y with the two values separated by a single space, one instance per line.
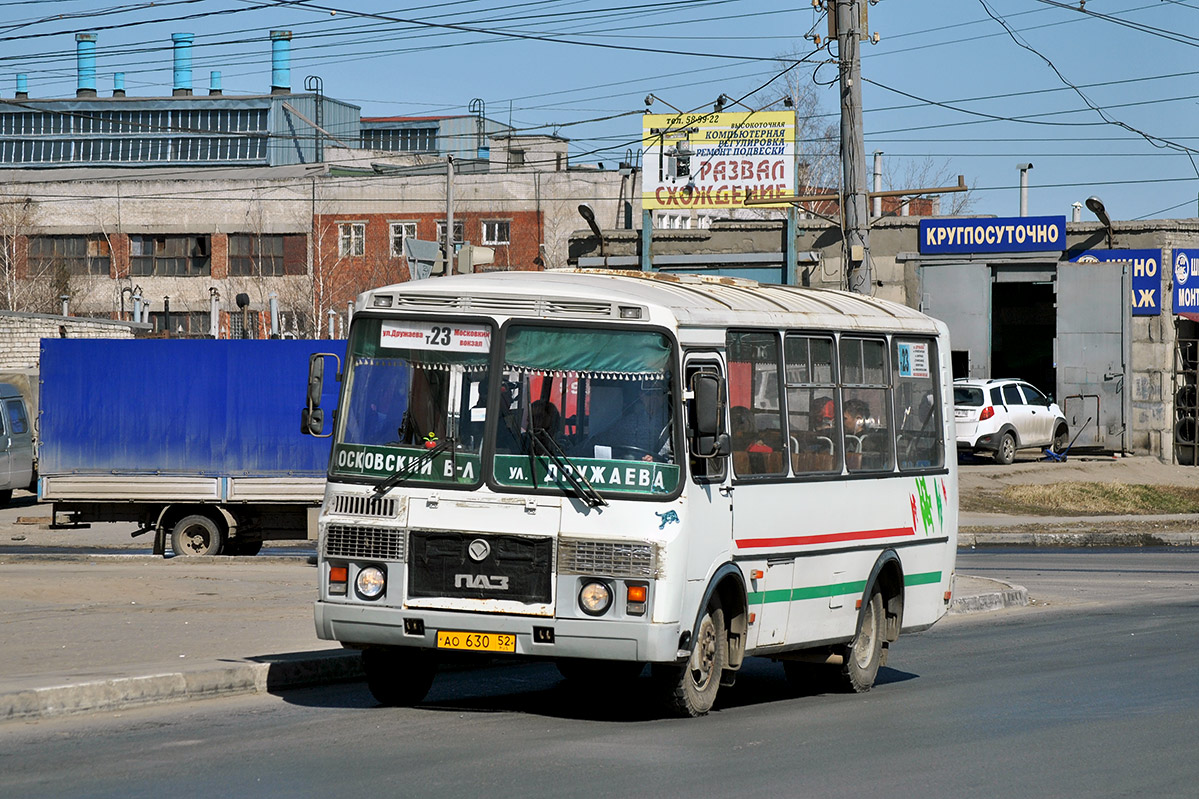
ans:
x=22 y=84
x=85 y=53
x=280 y=61
x=183 y=62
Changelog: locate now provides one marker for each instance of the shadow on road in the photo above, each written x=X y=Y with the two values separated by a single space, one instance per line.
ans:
x=538 y=689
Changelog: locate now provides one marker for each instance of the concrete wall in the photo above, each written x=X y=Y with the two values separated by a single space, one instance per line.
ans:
x=21 y=335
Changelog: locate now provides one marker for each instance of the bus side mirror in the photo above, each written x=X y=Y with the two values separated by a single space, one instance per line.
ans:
x=312 y=417
x=316 y=380
x=312 y=421
x=709 y=408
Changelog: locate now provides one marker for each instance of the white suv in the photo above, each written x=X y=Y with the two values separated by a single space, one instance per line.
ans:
x=1001 y=416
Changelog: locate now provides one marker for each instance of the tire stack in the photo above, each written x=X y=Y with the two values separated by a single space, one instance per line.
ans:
x=1186 y=402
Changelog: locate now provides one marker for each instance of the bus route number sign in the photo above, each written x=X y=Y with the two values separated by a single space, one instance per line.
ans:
x=440 y=336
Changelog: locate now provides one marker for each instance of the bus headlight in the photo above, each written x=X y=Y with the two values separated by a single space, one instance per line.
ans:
x=370 y=582
x=595 y=598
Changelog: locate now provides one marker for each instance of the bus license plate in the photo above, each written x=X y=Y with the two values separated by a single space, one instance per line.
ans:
x=476 y=642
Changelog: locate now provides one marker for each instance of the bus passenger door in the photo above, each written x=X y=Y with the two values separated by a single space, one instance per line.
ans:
x=709 y=500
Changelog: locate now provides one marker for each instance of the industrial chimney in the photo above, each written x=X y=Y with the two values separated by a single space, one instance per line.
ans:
x=280 y=62
x=183 y=64
x=85 y=58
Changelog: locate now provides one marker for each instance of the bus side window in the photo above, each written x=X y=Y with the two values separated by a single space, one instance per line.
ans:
x=812 y=407
x=703 y=470
x=919 y=433
x=755 y=409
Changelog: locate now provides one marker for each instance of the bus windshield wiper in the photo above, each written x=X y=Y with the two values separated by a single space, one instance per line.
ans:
x=407 y=470
x=567 y=468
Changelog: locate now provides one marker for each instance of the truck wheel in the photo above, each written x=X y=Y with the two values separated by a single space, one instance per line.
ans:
x=196 y=535
x=398 y=677
x=690 y=690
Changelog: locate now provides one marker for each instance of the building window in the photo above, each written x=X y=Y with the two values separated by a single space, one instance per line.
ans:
x=351 y=239
x=497 y=231
x=79 y=255
x=459 y=233
x=516 y=158
x=170 y=256
x=399 y=232
x=188 y=324
x=272 y=255
x=246 y=327
x=409 y=140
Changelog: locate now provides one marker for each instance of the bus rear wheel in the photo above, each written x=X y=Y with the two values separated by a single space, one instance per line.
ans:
x=690 y=689
x=864 y=654
x=398 y=677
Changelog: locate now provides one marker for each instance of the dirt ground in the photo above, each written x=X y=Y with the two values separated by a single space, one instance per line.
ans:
x=982 y=474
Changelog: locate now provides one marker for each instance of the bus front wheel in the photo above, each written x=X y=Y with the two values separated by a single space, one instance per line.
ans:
x=690 y=689
x=864 y=654
x=398 y=677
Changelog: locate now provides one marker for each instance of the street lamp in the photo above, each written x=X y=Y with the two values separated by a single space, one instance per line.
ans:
x=1096 y=207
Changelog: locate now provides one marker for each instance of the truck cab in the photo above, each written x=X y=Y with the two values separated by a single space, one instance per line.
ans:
x=16 y=443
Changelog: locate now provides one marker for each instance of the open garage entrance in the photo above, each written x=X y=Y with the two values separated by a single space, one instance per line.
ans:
x=1023 y=329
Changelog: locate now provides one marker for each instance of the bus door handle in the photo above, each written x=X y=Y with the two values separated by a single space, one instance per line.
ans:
x=726 y=491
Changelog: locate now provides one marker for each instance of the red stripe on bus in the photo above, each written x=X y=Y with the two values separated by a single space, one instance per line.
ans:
x=826 y=538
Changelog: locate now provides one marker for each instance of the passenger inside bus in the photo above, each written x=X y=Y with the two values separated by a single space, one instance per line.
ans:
x=751 y=453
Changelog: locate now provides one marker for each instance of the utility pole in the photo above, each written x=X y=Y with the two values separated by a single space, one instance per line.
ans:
x=854 y=219
x=449 y=214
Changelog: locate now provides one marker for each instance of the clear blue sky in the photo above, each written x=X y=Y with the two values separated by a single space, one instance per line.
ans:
x=947 y=83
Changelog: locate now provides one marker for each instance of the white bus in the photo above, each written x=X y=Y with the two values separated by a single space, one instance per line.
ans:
x=618 y=469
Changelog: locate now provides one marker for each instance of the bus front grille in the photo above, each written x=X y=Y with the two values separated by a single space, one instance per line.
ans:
x=480 y=566
x=354 y=505
x=364 y=543
x=636 y=560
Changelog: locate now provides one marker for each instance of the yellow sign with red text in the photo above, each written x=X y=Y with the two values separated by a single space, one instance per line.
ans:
x=716 y=160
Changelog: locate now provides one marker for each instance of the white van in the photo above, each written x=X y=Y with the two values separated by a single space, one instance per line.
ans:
x=16 y=443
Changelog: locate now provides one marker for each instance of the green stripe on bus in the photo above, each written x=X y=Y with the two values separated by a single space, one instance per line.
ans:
x=835 y=589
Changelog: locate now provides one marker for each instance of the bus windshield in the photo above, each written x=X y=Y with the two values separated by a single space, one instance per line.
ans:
x=595 y=403
x=415 y=399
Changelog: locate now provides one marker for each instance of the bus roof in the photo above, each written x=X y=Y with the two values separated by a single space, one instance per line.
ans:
x=693 y=300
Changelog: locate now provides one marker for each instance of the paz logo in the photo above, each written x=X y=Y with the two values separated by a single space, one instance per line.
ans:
x=1182 y=268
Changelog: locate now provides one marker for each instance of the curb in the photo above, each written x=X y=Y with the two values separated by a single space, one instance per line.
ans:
x=1013 y=596
x=264 y=675
x=1025 y=537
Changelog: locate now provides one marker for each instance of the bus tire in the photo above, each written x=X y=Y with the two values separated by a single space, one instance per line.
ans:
x=1007 y=450
x=196 y=535
x=864 y=654
x=398 y=677
x=690 y=690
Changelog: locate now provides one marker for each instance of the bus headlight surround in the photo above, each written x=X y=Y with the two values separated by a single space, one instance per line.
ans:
x=595 y=597
x=370 y=582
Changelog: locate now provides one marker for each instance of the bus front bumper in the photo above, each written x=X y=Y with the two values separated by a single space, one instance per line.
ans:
x=638 y=641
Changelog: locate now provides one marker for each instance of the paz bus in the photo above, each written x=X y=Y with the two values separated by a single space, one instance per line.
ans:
x=615 y=469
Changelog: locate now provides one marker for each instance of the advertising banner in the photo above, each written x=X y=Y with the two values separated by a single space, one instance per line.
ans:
x=999 y=234
x=1146 y=276
x=716 y=160
x=1186 y=281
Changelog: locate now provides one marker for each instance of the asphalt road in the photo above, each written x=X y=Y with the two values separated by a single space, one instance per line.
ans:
x=1091 y=692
